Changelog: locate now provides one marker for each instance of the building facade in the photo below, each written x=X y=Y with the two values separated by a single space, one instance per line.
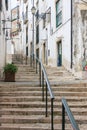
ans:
x=5 y=27
x=59 y=32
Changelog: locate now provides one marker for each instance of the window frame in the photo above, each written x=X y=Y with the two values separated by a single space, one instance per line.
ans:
x=58 y=14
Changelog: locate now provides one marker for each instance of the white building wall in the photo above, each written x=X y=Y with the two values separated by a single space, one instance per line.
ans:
x=51 y=35
x=3 y=42
x=25 y=25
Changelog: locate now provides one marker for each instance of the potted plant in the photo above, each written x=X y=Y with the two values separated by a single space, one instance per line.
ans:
x=9 y=71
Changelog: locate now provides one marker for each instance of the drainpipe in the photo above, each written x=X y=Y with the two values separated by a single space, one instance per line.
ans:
x=71 y=34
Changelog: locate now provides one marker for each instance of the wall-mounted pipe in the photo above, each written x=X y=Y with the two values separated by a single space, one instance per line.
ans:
x=71 y=34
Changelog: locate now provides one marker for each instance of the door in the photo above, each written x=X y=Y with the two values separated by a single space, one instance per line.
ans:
x=31 y=48
x=37 y=53
x=26 y=51
x=59 y=57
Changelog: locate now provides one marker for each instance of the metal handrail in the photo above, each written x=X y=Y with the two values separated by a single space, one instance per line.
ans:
x=47 y=81
x=66 y=108
x=43 y=76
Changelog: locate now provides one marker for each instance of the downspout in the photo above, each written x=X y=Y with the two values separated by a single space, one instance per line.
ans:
x=71 y=35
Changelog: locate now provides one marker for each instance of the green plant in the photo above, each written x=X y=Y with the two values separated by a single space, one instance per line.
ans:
x=10 y=68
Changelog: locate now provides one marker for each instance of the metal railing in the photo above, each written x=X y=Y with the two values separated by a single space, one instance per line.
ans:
x=36 y=63
x=66 y=108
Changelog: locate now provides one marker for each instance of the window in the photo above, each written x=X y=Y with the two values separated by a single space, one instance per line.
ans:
x=26 y=35
x=6 y=4
x=0 y=5
x=27 y=12
x=58 y=13
x=37 y=34
x=37 y=15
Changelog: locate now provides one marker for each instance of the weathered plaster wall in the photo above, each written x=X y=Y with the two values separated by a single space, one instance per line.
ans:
x=79 y=38
x=84 y=35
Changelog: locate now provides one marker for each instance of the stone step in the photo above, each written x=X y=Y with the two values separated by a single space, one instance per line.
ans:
x=27 y=76
x=65 y=88
x=26 y=80
x=19 y=88
x=21 y=106
x=56 y=93
x=27 y=70
x=31 y=98
x=73 y=83
x=15 y=119
x=35 y=104
x=26 y=119
x=32 y=73
x=36 y=126
x=39 y=111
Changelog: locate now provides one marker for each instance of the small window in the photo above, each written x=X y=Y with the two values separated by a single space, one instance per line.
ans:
x=6 y=4
x=0 y=5
x=26 y=35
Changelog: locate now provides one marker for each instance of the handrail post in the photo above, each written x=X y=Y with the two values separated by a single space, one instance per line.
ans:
x=42 y=86
x=63 y=117
x=40 y=73
x=52 y=114
x=46 y=100
x=36 y=66
x=33 y=61
x=30 y=61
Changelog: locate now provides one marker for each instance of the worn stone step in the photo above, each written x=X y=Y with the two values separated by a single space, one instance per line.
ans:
x=27 y=77
x=39 y=98
x=26 y=119
x=22 y=93
x=26 y=80
x=22 y=111
x=63 y=93
x=36 y=119
x=65 y=88
x=27 y=74
x=37 y=92
x=39 y=111
x=20 y=98
x=19 y=88
x=41 y=104
x=36 y=126
x=19 y=84
x=71 y=84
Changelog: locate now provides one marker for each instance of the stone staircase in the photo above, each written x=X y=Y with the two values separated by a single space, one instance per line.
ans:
x=59 y=74
x=21 y=106
x=17 y=58
x=26 y=73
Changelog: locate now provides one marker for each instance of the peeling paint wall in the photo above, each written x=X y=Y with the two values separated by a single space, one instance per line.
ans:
x=84 y=34
x=79 y=38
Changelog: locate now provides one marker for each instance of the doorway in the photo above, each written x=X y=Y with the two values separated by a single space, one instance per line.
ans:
x=37 y=53
x=59 y=54
x=30 y=48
